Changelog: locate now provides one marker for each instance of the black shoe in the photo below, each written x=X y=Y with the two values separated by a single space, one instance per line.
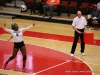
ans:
x=34 y=11
x=50 y=17
x=68 y=14
x=39 y=14
x=45 y=15
x=30 y=13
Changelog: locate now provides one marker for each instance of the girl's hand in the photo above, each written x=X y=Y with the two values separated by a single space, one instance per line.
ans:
x=33 y=24
x=5 y=24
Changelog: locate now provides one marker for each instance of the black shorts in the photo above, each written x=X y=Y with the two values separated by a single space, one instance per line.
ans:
x=18 y=44
x=82 y=30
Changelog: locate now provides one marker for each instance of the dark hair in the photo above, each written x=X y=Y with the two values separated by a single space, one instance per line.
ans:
x=13 y=25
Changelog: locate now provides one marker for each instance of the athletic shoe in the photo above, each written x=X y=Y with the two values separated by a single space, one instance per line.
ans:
x=90 y=28
x=30 y=13
x=83 y=54
x=24 y=69
x=4 y=65
x=50 y=17
x=71 y=54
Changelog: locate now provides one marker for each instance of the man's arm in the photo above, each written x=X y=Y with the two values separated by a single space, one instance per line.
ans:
x=6 y=29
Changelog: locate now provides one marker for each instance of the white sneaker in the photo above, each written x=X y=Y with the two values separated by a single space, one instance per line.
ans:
x=71 y=54
x=90 y=28
x=83 y=54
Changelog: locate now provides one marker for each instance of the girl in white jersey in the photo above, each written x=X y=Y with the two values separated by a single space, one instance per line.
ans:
x=17 y=35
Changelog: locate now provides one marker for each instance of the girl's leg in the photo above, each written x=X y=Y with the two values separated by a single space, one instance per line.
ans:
x=23 y=51
x=15 y=50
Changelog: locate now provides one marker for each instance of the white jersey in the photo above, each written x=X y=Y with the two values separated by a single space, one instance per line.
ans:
x=17 y=35
x=79 y=23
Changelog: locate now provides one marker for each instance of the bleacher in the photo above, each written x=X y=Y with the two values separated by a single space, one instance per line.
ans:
x=67 y=9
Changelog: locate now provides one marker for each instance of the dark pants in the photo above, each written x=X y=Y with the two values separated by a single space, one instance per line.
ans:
x=49 y=7
x=90 y=22
x=2 y=2
x=37 y=5
x=76 y=37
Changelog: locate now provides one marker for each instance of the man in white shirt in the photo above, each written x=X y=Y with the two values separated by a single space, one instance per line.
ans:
x=79 y=24
x=98 y=6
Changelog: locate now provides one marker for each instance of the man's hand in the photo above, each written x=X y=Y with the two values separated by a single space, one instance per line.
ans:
x=80 y=32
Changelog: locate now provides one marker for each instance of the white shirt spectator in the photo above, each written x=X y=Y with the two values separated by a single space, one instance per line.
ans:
x=18 y=38
x=79 y=23
x=98 y=6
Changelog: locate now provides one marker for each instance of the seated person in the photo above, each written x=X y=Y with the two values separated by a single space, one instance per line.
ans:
x=2 y=3
x=95 y=16
x=50 y=5
x=36 y=3
x=98 y=6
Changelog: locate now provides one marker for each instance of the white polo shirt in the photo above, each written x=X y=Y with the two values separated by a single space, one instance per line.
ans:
x=18 y=38
x=79 y=23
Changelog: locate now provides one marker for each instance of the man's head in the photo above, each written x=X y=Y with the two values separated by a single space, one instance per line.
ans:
x=79 y=14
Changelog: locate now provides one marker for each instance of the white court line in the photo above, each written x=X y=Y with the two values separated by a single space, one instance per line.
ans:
x=94 y=64
x=56 y=66
x=51 y=67
x=76 y=61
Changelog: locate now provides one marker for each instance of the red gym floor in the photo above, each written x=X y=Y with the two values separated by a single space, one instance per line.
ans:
x=45 y=61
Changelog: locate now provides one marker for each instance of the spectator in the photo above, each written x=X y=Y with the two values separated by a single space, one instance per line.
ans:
x=36 y=3
x=98 y=6
x=95 y=16
x=50 y=5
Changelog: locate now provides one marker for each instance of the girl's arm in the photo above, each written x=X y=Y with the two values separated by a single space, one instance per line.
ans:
x=6 y=29
x=24 y=29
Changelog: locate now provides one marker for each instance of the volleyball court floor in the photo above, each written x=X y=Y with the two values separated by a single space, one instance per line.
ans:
x=48 y=53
